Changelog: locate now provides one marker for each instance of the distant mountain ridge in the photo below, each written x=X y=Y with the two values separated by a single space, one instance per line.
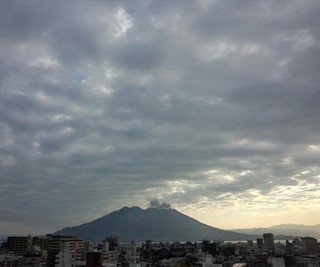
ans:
x=154 y=224
x=296 y=230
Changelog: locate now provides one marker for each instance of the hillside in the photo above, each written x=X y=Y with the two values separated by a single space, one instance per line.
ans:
x=296 y=230
x=154 y=224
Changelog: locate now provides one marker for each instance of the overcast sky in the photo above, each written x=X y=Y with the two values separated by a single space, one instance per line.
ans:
x=210 y=106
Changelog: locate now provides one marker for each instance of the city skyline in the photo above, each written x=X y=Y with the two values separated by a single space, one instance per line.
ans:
x=208 y=107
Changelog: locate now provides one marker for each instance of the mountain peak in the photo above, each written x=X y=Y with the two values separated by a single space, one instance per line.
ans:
x=133 y=208
x=152 y=223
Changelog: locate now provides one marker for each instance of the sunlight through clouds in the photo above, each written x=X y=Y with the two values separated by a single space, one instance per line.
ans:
x=124 y=22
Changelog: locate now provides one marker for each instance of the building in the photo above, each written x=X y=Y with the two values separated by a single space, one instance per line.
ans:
x=55 y=245
x=130 y=253
x=19 y=245
x=40 y=242
x=111 y=250
x=276 y=262
x=11 y=260
x=113 y=243
x=310 y=245
x=209 y=247
x=260 y=243
x=67 y=255
x=94 y=259
x=268 y=240
x=31 y=260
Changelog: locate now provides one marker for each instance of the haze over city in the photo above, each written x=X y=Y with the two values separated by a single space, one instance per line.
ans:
x=208 y=107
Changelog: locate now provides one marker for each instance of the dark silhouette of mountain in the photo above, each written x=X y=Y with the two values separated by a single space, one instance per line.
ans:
x=150 y=224
x=296 y=230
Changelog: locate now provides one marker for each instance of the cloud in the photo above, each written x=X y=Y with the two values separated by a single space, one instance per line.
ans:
x=155 y=203
x=212 y=106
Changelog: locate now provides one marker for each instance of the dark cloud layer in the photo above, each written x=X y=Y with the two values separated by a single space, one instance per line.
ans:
x=211 y=105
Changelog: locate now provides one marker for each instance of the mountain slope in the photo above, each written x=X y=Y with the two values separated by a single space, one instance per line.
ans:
x=296 y=230
x=154 y=224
